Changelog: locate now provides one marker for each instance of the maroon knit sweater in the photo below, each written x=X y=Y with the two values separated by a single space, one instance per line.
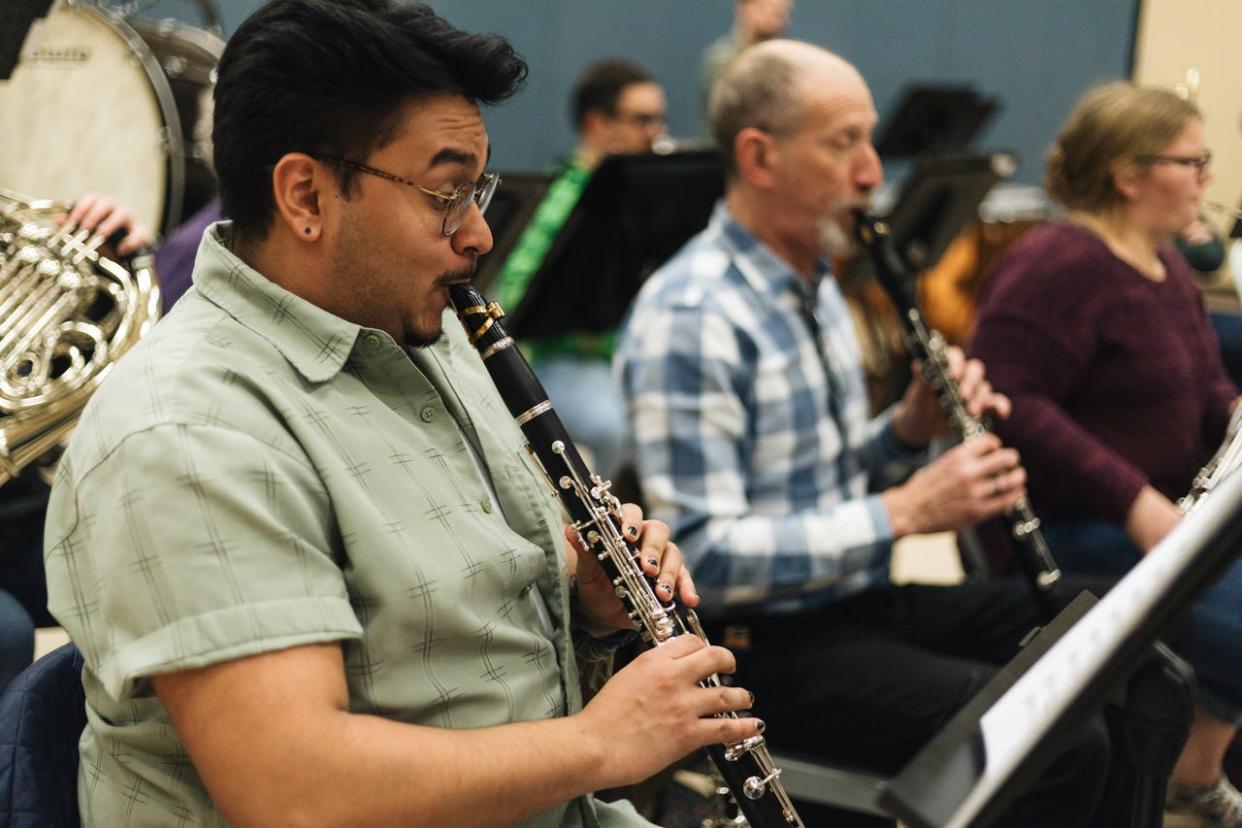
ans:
x=1116 y=380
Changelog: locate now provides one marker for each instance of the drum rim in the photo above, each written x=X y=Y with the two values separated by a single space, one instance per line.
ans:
x=207 y=41
x=174 y=141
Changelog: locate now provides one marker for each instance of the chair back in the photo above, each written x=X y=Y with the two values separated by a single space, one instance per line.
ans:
x=42 y=714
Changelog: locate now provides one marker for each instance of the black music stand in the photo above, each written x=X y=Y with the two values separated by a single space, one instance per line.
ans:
x=934 y=119
x=512 y=207
x=967 y=775
x=15 y=22
x=636 y=212
x=937 y=201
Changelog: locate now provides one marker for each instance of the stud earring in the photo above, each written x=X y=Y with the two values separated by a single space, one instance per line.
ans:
x=307 y=231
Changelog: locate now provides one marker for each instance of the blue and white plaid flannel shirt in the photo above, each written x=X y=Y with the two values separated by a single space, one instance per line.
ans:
x=751 y=432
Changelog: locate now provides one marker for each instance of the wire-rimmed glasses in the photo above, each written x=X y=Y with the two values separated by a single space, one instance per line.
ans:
x=456 y=204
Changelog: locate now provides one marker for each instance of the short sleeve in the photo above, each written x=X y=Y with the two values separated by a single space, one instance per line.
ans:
x=199 y=545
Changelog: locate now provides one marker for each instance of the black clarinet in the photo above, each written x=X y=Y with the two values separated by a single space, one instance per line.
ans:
x=928 y=346
x=595 y=514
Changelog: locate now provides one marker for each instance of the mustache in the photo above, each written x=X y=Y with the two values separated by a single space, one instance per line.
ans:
x=455 y=277
x=846 y=209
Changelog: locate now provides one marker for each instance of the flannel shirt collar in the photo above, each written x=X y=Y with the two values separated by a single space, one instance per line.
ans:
x=767 y=273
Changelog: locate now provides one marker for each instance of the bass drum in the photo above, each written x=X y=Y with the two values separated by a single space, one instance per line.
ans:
x=99 y=103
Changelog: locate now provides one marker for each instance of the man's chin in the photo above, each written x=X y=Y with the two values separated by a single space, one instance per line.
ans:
x=423 y=338
x=835 y=238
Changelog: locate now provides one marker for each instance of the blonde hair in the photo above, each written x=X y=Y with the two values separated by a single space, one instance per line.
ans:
x=1112 y=127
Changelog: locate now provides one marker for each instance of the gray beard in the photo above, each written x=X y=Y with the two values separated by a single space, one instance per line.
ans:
x=834 y=241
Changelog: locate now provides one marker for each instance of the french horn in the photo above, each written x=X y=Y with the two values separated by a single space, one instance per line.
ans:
x=67 y=314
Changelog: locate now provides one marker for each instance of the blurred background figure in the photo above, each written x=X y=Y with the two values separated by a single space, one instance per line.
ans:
x=1202 y=246
x=618 y=108
x=754 y=21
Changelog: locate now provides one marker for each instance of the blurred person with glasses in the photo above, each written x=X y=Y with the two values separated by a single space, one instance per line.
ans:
x=313 y=574
x=617 y=108
x=1094 y=326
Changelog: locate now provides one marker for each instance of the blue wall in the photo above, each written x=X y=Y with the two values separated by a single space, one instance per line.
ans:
x=1036 y=55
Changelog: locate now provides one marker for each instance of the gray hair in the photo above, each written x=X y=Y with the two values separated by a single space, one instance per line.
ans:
x=758 y=88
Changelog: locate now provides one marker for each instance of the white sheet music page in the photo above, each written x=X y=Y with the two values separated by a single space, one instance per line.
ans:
x=1017 y=720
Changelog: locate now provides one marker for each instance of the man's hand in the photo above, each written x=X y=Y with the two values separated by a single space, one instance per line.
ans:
x=273 y=739
x=918 y=417
x=654 y=712
x=106 y=217
x=599 y=611
x=967 y=484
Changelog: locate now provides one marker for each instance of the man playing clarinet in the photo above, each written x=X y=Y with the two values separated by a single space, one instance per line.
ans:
x=749 y=412
x=313 y=575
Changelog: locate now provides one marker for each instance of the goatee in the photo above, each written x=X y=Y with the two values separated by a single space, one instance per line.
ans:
x=834 y=240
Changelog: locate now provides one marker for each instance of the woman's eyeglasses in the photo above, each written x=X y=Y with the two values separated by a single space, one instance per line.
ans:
x=1199 y=162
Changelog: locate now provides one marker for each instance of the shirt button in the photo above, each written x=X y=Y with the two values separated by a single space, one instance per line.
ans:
x=486 y=504
x=373 y=342
x=427 y=414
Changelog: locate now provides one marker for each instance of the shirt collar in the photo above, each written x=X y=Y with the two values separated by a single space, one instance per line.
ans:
x=316 y=342
x=766 y=272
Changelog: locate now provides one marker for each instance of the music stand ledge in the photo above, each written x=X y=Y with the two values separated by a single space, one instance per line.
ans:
x=998 y=744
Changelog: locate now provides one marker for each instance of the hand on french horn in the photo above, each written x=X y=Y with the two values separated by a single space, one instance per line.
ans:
x=107 y=217
x=599 y=611
x=653 y=712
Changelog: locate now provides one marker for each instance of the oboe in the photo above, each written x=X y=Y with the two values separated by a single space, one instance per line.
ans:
x=595 y=514
x=928 y=346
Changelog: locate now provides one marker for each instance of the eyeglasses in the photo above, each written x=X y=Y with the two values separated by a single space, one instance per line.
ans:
x=642 y=120
x=456 y=203
x=1199 y=162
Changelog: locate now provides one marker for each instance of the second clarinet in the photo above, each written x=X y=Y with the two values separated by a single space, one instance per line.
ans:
x=929 y=348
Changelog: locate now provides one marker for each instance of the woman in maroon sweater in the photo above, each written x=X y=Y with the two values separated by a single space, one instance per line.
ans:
x=1094 y=328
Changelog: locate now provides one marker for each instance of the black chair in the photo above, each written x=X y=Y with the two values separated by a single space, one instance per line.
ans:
x=42 y=714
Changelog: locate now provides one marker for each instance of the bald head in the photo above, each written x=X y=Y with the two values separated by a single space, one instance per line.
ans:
x=772 y=86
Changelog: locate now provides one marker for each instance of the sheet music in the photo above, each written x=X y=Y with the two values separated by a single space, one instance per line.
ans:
x=1014 y=724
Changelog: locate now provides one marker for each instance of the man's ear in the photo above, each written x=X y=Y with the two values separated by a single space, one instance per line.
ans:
x=595 y=124
x=298 y=184
x=756 y=154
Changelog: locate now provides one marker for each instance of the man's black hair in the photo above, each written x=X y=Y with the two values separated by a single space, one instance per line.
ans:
x=332 y=77
x=601 y=85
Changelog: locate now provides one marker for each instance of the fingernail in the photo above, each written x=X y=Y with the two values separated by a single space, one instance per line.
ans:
x=760 y=726
x=653 y=562
x=752 y=698
x=666 y=588
x=632 y=531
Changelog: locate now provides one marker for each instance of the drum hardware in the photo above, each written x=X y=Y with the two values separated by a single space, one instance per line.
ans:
x=133 y=91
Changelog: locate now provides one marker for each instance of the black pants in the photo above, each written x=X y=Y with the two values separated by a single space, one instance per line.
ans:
x=868 y=682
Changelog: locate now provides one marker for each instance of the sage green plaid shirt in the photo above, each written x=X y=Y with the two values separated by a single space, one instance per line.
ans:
x=259 y=474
